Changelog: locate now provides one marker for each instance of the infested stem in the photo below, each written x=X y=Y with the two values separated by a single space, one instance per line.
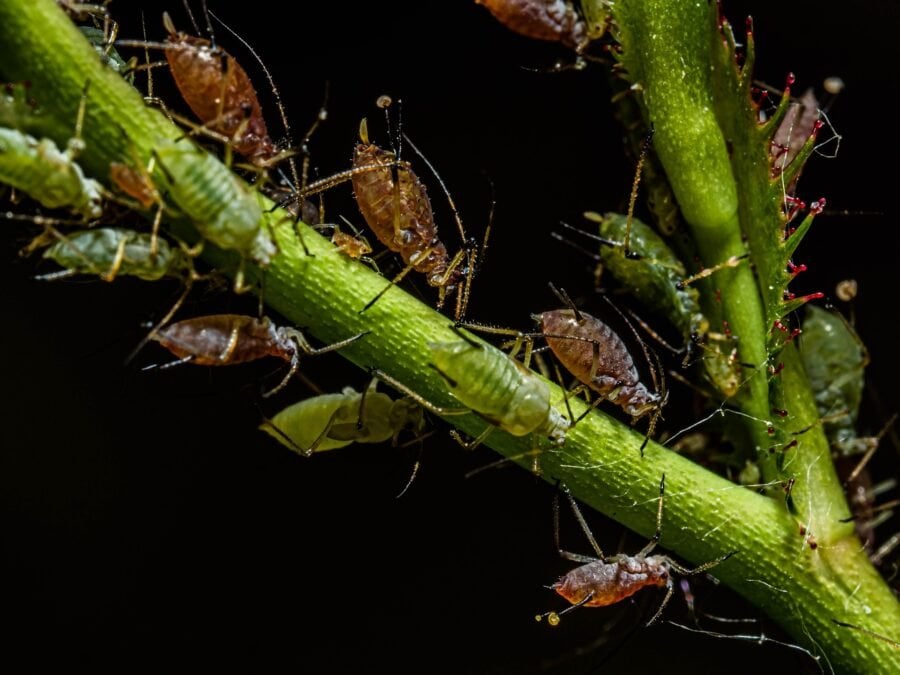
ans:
x=706 y=515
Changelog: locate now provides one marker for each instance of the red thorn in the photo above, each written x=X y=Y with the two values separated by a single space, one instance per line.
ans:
x=789 y=80
x=792 y=444
x=817 y=206
x=776 y=370
x=780 y=412
x=748 y=25
x=818 y=295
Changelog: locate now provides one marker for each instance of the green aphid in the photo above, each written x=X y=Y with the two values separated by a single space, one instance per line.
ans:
x=224 y=210
x=596 y=17
x=499 y=389
x=38 y=168
x=651 y=273
x=835 y=359
x=332 y=421
x=108 y=252
x=108 y=54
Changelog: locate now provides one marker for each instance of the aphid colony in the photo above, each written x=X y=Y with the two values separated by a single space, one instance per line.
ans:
x=182 y=180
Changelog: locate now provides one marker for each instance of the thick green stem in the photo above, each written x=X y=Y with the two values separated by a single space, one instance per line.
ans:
x=706 y=516
x=717 y=162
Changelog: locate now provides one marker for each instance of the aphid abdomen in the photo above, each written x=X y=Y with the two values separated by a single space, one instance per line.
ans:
x=304 y=421
x=553 y=20
x=219 y=92
x=401 y=218
x=97 y=252
x=51 y=177
x=611 y=581
x=495 y=386
x=221 y=339
x=653 y=277
x=222 y=209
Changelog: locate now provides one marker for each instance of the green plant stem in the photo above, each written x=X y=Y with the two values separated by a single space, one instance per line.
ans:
x=706 y=515
x=724 y=195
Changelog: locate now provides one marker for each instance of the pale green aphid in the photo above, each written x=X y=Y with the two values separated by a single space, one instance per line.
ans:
x=499 y=389
x=108 y=252
x=38 y=168
x=224 y=210
x=835 y=359
x=332 y=421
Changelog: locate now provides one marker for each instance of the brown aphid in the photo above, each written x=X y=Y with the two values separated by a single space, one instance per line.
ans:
x=604 y=581
x=593 y=353
x=228 y=339
x=353 y=247
x=219 y=92
x=396 y=206
x=135 y=184
x=553 y=20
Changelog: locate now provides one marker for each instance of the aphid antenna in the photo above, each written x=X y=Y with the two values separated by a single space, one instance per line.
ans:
x=298 y=179
x=645 y=149
x=581 y=249
x=657 y=374
x=469 y=247
x=590 y=235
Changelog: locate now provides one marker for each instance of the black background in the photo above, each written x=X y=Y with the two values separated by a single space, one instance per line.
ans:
x=145 y=521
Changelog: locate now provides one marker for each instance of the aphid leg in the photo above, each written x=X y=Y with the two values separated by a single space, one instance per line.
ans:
x=299 y=339
x=397 y=279
x=475 y=442
x=110 y=274
x=306 y=452
x=659 y=512
x=418 y=398
x=568 y=555
x=75 y=145
x=188 y=284
x=519 y=340
x=731 y=262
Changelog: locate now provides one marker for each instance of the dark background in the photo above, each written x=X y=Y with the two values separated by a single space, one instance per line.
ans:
x=145 y=521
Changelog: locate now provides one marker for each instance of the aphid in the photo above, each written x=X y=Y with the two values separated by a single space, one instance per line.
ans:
x=217 y=89
x=396 y=206
x=495 y=387
x=606 y=580
x=332 y=421
x=597 y=357
x=222 y=208
x=553 y=20
x=228 y=339
x=835 y=359
x=652 y=273
x=38 y=167
x=108 y=252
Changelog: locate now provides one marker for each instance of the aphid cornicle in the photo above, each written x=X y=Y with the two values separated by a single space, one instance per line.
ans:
x=228 y=339
x=330 y=421
x=606 y=580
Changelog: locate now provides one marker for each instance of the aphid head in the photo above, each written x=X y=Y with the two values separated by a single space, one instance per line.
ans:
x=643 y=402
